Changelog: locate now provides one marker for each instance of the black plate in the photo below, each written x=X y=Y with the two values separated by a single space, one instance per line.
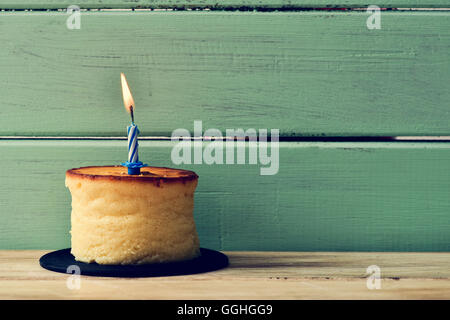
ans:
x=209 y=260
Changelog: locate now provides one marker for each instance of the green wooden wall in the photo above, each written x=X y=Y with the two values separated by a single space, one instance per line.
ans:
x=326 y=196
x=306 y=73
x=312 y=74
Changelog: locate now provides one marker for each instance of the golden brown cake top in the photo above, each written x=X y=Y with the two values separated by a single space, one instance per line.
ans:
x=148 y=174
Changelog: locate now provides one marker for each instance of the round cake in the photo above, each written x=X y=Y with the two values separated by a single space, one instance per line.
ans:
x=132 y=219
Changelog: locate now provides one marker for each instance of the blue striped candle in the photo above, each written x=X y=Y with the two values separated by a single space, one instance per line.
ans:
x=133 y=155
x=133 y=164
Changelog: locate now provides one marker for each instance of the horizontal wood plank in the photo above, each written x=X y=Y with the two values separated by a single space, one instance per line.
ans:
x=325 y=197
x=219 y=5
x=306 y=73
x=251 y=275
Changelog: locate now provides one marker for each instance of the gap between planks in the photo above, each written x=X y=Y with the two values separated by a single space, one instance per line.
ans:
x=256 y=9
x=281 y=139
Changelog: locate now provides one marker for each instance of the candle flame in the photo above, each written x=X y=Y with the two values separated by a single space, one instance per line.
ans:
x=128 y=101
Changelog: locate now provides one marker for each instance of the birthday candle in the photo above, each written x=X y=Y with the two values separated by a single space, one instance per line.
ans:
x=133 y=155
x=133 y=163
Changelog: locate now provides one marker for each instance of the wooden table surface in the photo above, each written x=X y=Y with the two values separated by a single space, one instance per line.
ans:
x=251 y=275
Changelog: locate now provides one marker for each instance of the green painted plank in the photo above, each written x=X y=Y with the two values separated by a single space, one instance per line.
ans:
x=219 y=5
x=305 y=73
x=326 y=196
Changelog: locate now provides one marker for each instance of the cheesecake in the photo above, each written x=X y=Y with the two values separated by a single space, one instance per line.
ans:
x=122 y=219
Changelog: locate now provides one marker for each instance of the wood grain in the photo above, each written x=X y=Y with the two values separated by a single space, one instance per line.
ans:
x=306 y=73
x=219 y=5
x=251 y=275
x=325 y=197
